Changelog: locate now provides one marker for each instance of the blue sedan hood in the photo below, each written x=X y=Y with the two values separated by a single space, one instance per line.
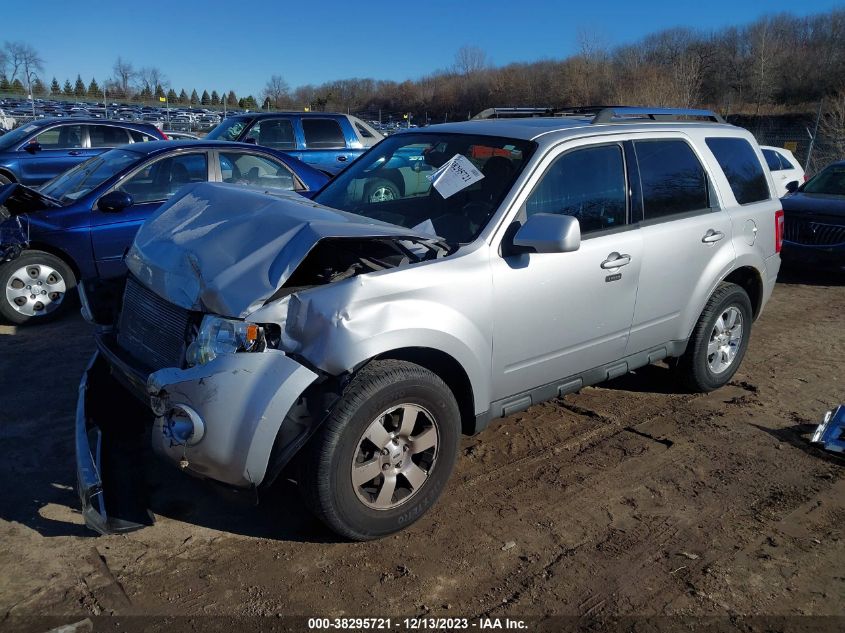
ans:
x=226 y=249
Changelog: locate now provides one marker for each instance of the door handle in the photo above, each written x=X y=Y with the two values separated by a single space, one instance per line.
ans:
x=615 y=260
x=342 y=159
x=74 y=153
x=712 y=236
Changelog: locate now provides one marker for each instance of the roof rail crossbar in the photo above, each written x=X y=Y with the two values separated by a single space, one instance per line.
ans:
x=628 y=114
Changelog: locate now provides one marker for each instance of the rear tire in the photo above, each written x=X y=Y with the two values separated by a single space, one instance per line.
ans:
x=34 y=288
x=719 y=340
x=385 y=454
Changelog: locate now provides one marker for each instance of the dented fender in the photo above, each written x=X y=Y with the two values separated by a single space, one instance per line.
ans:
x=241 y=401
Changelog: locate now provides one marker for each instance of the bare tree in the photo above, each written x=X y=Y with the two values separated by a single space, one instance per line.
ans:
x=276 y=90
x=23 y=60
x=150 y=78
x=124 y=74
x=470 y=60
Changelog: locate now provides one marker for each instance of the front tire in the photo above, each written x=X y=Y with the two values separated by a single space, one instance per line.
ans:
x=34 y=288
x=385 y=454
x=719 y=339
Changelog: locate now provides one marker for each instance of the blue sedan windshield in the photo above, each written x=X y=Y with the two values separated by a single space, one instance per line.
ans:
x=72 y=185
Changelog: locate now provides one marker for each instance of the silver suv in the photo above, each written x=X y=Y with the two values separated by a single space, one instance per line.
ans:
x=352 y=341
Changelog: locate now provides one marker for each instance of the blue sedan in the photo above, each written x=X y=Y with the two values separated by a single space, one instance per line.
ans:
x=80 y=224
x=36 y=152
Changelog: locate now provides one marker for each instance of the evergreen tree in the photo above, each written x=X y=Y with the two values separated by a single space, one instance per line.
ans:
x=79 y=87
x=94 y=89
x=183 y=97
x=146 y=94
x=68 y=89
x=215 y=98
x=248 y=103
x=55 y=89
x=5 y=86
x=17 y=87
x=38 y=88
x=194 y=97
x=232 y=100
x=172 y=97
x=206 y=100
x=159 y=90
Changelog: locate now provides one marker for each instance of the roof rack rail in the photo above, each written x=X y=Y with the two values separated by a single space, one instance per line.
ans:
x=622 y=114
x=512 y=113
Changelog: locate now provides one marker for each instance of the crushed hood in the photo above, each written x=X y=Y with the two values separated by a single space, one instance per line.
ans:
x=225 y=249
x=17 y=199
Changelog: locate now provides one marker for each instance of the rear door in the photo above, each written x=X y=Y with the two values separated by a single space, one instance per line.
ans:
x=150 y=186
x=560 y=314
x=326 y=145
x=686 y=238
x=59 y=148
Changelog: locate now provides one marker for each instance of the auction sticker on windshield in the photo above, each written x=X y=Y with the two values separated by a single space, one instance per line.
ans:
x=456 y=174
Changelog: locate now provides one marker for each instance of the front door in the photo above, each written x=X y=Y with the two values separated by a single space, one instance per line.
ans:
x=51 y=153
x=559 y=314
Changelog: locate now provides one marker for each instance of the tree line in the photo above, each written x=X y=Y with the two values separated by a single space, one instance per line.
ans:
x=778 y=63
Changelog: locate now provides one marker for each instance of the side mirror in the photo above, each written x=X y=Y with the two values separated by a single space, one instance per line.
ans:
x=33 y=147
x=114 y=202
x=792 y=186
x=549 y=233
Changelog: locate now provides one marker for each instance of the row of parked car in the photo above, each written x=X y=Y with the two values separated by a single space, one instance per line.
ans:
x=297 y=285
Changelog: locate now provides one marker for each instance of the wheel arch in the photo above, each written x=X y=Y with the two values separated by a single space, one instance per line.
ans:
x=448 y=369
x=4 y=171
x=57 y=252
x=749 y=279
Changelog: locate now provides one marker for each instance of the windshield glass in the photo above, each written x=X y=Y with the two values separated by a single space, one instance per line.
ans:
x=448 y=185
x=228 y=130
x=72 y=185
x=830 y=181
x=16 y=137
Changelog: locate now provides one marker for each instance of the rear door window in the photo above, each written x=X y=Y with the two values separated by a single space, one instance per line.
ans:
x=251 y=169
x=673 y=180
x=588 y=184
x=323 y=134
x=742 y=168
x=107 y=136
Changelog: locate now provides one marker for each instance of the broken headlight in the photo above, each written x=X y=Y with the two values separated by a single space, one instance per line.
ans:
x=218 y=336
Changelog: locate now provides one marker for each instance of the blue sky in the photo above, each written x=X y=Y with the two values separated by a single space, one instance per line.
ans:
x=238 y=45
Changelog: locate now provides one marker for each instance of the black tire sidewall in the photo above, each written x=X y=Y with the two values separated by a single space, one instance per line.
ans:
x=734 y=297
x=5 y=180
x=357 y=520
x=26 y=258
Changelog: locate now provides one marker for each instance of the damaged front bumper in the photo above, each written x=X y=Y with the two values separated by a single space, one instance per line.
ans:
x=222 y=421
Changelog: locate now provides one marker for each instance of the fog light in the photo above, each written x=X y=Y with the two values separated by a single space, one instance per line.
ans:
x=183 y=426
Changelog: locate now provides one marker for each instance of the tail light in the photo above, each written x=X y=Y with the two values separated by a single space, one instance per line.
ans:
x=806 y=177
x=778 y=230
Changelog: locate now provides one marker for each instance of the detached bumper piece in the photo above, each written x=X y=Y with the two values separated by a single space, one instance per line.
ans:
x=110 y=443
x=830 y=432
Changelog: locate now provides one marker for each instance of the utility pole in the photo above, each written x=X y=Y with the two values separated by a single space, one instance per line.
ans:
x=105 y=102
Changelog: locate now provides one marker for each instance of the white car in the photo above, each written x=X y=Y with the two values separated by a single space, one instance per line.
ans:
x=784 y=167
x=7 y=123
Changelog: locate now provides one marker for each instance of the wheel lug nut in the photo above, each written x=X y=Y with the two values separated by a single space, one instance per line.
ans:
x=385 y=466
x=385 y=452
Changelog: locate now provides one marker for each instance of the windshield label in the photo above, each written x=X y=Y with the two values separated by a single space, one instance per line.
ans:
x=456 y=174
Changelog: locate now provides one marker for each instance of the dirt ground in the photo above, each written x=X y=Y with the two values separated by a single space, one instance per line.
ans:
x=627 y=499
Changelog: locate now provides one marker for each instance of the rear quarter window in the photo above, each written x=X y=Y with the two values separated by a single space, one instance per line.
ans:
x=742 y=168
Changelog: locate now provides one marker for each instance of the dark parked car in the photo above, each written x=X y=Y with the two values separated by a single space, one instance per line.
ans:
x=324 y=140
x=80 y=223
x=38 y=151
x=814 y=220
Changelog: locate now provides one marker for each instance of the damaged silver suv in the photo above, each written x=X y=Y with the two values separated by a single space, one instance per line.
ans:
x=352 y=339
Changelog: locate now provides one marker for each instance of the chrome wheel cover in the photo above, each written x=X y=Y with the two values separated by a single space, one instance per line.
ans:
x=35 y=290
x=725 y=340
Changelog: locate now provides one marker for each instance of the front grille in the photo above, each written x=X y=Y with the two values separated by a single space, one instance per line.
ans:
x=801 y=231
x=150 y=329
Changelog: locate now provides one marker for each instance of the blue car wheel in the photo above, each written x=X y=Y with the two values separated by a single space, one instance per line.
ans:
x=34 y=287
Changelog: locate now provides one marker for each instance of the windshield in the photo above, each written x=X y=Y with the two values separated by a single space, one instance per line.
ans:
x=448 y=185
x=72 y=185
x=17 y=136
x=228 y=130
x=830 y=181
